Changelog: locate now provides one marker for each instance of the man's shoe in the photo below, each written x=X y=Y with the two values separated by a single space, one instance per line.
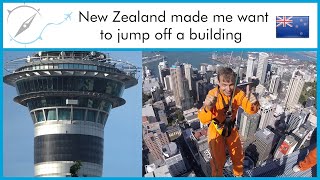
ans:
x=296 y=168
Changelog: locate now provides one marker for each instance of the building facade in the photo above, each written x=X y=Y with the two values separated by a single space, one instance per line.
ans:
x=180 y=87
x=274 y=84
x=262 y=67
x=294 y=90
x=252 y=57
x=173 y=159
x=264 y=143
x=248 y=126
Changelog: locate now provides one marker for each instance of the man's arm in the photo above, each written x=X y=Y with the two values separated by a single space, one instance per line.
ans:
x=249 y=102
x=207 y=112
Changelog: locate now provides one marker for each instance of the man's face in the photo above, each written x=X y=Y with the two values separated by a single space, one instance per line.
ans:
x=226 y=86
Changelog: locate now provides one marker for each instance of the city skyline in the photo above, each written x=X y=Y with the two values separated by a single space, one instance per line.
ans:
x=284 y=82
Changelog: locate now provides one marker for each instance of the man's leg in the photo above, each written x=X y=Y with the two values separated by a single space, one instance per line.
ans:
x=309 y=161
x=218 y=152
x=236 y=153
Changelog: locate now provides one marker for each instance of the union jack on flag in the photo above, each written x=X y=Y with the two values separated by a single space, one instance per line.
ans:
x=292 y=26
x=284 y=21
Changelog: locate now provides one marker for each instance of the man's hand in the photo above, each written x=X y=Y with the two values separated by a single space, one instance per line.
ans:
x=252 y=98
x=210 y=100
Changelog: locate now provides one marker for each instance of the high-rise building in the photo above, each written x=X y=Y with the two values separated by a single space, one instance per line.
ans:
x=168 y=83
x=162 y=116
x=153 y=171
x=264 y=143
x=205 y=158
x=266 y=111
x=297 y=119
x=202 y=89
x=148 y=111
x=173 y=159
x=250 y=64
x=173 y=132
x=69 y=95
x=286 y=147
x=248 y=126
x=260 y=90
x=200 y=139
x=150 y=83
x=311 y=101
x=268 y=76
x=163 y=65
x=294 y=90
x=280 y=71
x=188 y=72
x=191 y=118
x=302 y=134
x=180 y=87
x=154 y=141
x=147 y=72
x=163 y=73
x=155 y=93
x=274 y=84
x=262 y=67
x=203 y=68
x=312 y=116
x=241 y=72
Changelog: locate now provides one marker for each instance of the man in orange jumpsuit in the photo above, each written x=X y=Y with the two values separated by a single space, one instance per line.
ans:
x=309 y=161
x=214 y=111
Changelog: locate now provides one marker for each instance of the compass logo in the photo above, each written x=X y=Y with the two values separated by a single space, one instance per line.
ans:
x=26 y=25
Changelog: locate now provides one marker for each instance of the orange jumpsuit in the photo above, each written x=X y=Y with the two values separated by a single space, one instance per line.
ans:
x=216 y=141
x=309 y=161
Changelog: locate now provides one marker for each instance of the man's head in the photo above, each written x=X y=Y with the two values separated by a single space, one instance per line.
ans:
x=226 y=78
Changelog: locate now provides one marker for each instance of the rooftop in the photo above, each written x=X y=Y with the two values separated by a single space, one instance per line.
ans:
x=198 y=134
x=65 y=63
x=87 y=57
x=162 y=171
x=170 y=149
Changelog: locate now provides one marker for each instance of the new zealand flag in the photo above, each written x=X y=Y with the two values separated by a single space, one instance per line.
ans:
x=292 y=26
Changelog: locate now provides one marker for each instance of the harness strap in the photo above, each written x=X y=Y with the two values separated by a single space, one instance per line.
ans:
x=228 y=126
x=225 y=106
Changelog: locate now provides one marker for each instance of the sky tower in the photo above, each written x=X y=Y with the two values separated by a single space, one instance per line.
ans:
x=69 y=95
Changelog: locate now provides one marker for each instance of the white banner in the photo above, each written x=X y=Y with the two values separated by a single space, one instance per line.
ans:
x=160 y=25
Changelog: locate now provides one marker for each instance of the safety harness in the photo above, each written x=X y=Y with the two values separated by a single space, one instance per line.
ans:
x=225 y=127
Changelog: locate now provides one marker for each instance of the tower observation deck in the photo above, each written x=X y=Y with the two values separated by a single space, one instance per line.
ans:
x=69 y=95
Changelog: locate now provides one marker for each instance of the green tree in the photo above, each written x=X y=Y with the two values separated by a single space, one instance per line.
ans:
x=312 y=86
x=179 y=114
x=170 y=121
x=75 y=168
x=145 y=98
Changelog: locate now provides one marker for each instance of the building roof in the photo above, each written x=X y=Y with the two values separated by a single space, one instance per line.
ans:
x=144 y=119
x=206 y=154
x=172 y=129
x=198 y=134
x=266 y=135
x=162 y=171
x=149 y=83
x=192 y=117
x=170 y=149
x=147 y=110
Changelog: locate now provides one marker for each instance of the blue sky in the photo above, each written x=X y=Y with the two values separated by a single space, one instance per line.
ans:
x=122 y=136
